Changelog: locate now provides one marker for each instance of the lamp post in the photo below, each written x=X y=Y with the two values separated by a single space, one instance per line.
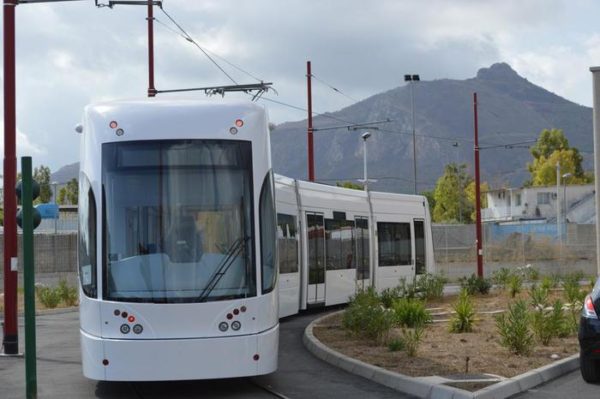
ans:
x=365 y=136
x=411 y=79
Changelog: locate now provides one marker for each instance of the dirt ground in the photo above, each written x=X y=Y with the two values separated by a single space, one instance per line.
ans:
x=442 y=353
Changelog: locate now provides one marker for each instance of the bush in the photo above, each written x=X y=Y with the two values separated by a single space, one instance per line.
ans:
x=411 y=312
x=464 y=318
x=531 y=273
x=396 y=344
x=538 y=297
x=430 y=286
x=548 y=283
x=548 y=324
x=475 y=285
x=574 y=296
x=412 y=340
x=515 y=284
x=68 y=294
x=513 y=328
x=49 y=297
x=501 y=277
x=388 y=296
x=367 y=317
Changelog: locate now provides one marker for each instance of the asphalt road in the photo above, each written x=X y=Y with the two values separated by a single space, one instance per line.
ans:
x=300 y=374
x=568 y=386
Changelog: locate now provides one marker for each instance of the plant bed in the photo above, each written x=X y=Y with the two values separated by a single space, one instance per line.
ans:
x=443 y=353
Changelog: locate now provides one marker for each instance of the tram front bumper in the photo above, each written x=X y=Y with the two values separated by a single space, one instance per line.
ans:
x=179 y=359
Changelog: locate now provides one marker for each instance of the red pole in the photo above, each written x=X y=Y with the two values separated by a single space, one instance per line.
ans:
x=11 y=338
x=311 y=159
x=151 y=88
x=477 y=194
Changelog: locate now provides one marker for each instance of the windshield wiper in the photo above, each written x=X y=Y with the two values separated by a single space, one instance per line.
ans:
x=232 y=253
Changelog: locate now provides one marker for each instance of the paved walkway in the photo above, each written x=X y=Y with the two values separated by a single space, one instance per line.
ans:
x=300 y=374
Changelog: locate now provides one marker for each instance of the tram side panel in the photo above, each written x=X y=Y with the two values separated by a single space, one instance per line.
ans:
x=396 y=251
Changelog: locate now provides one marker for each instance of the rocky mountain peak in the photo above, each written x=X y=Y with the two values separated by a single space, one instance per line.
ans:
x=498 y=71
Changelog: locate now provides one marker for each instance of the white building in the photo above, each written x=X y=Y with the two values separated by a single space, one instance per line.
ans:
x=541 y=203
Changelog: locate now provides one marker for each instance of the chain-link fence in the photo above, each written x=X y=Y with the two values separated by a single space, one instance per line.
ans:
x=550 y=248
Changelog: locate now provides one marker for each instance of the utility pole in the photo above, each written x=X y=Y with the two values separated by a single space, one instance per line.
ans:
x=151 y=88
x=479 y=241
x=558 y=229
x=10 y=340
x=311 y=160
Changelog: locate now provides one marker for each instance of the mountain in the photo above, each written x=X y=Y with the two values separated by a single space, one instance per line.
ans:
x=66 y=173
x=511 y=110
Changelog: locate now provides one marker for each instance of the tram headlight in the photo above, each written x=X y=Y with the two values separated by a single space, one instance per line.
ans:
x=223 y=326
x=236 y=325
x=233 y=130
x=138 y=329
x=125 y=328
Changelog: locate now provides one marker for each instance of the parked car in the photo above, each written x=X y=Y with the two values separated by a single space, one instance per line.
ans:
x=589 y=336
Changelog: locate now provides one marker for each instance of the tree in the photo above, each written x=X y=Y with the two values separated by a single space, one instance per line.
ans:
x=470 y=194
x=449 y=195
x=552 y=147
x=41 y=174
x=69 y=194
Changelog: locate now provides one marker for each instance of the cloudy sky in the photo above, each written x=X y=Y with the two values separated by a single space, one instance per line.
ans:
x=71 y=54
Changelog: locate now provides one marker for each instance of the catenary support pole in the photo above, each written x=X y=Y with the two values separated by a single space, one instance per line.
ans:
x=477 y=193
x=10 y=341
x=151 y=88
x=311 y=157
x=28 y=279
x=596 y=88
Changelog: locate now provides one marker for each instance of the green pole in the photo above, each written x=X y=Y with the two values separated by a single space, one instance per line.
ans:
x=28 y=279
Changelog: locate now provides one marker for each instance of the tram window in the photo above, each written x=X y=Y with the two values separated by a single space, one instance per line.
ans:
x=339 y=243
x=394 y=243
x=87 y=238
x=178 y=232
x=287 y=243
x=267 y=235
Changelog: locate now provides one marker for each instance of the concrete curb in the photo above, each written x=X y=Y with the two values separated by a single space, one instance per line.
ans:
x=423 y=389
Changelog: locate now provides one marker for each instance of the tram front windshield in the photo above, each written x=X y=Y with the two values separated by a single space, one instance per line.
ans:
x=178 y=221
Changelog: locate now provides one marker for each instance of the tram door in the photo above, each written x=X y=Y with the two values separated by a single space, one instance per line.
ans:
x=316 y=258
x=420 y=260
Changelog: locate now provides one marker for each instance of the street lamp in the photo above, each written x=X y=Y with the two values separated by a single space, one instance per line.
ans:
x=410 y=79
x=365 y=136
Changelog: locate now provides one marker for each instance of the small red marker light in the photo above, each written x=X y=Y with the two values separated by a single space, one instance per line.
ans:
x=256 y=357
x=236 y=312
x=105 y=362
x=239 y=122
x=131 y=319
x=113 y=124
x=229 y=316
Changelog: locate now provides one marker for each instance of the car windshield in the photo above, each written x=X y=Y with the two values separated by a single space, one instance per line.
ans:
x=178 y=220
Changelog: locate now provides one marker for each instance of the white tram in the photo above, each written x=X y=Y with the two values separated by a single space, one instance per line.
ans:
x=179 y=239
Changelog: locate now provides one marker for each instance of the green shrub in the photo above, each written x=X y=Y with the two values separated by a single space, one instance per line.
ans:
x=430 y=286
x=68 y=294
x=49 y=297
x=513 y=327
x=412 y=339
x=389 y=295
x=464 y=318
x=531 y=273
x=501 y=277
x=475 y=285
x=538 y=297
x=396 y=344
x=411 y=312
x=574 y=295
x=515 y=284
x=367 y=317
x=548 y=283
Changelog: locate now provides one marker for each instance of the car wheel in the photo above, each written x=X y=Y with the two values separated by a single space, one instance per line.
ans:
x=590 y=370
